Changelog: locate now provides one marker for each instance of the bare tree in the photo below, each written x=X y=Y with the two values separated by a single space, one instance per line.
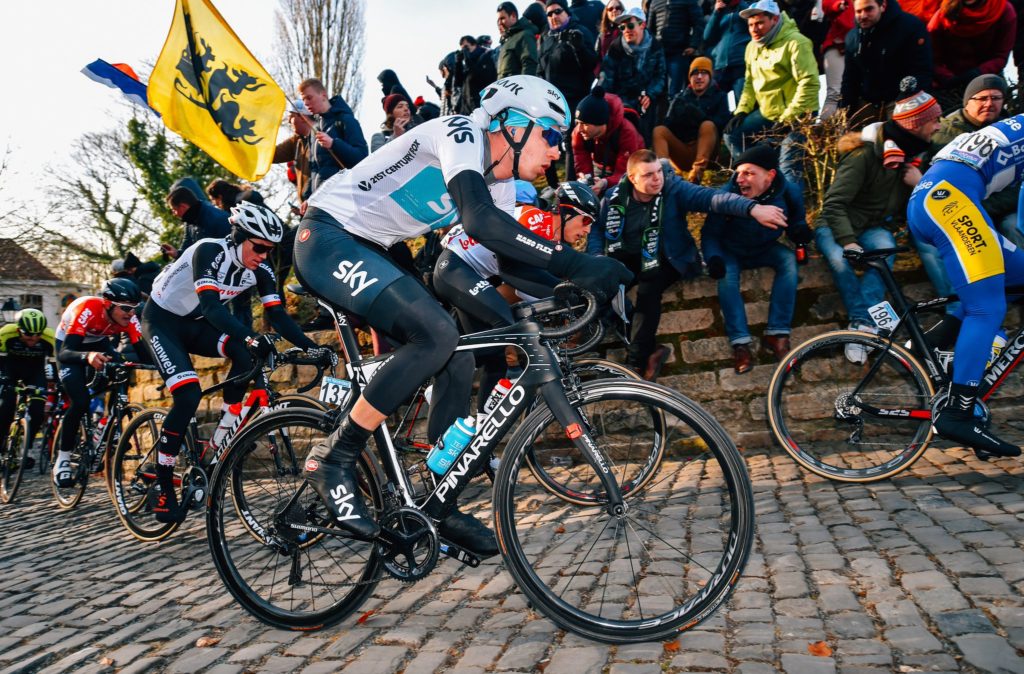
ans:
x=323 y=39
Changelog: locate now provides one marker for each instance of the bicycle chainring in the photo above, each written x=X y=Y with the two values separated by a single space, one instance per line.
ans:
x=194 y=488
x=409 y=544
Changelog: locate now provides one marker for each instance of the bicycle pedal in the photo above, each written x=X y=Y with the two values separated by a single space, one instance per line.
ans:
x=459 y=554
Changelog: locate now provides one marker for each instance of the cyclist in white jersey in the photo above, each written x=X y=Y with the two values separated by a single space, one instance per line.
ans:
x=447 y=170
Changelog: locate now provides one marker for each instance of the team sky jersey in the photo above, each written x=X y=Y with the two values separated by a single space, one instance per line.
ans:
x=87 y=316
x=478 y=257
x=996 y=152
x=210 y=264
x=12 y=346
x=400 y=191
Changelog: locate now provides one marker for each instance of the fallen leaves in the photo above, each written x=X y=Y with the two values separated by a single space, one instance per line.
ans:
x=820 y=649
x=560 y=530
x=107 y=662
x=366 y=616
x=206 y=642
x=670 y=646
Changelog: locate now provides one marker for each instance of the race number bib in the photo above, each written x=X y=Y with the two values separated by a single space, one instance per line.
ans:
x=974 y=149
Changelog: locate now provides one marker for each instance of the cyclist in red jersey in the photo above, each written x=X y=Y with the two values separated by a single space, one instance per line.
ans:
x=84 y=341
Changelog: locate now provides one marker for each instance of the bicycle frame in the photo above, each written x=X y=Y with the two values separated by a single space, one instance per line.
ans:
x=542 y=370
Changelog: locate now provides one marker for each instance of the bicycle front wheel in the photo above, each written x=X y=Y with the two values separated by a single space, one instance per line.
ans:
x=271 y=537
x=851 y=407
x=12 y=460
x=69 y=497
x=669 y=560
x=565 y=472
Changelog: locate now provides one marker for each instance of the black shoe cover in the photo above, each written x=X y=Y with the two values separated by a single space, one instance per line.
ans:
x=337 y=488
x=468 y=532
x=167 y=510
x=970 y=433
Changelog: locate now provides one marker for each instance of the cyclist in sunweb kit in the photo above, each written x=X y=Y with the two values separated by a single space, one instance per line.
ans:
x=84 y=339
x=449 y=169
x=186 y=314
x=945 y=211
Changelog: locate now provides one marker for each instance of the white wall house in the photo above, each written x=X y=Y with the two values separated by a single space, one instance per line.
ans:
x=28 y=282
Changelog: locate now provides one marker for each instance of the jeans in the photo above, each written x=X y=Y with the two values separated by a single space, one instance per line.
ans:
x=859 y=294
x=783 y=297
x=677 y=66
x=791 y=152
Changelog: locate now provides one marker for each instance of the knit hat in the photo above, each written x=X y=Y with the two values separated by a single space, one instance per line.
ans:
x=391 y=101
x=701 y=63
x=982 y=83
x=561 y=3
x=917 y=108
x=762 y=155
x=593 y=109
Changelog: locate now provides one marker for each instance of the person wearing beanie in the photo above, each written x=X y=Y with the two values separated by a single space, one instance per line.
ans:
x=984 y=103
x=634 y=69
x=602 y=140
x=642 y=224
x=678 y=25
x=731 y=244
x=780 y=87
x=399 y=119
x=945 y=212
x=690 y=134
x=866 y=202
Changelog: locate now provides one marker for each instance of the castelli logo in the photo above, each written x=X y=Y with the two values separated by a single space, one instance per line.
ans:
x=303 y=235
x=312 y=465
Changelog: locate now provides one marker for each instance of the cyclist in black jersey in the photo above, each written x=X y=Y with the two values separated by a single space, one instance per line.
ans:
x=25 y=345
x=454 y=168
x=186 y=315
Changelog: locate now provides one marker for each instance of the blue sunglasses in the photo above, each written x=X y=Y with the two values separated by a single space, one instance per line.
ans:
x=552 y=136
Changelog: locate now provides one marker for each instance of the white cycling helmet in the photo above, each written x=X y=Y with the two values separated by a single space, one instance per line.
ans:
x=256 y=221
x=525 y=101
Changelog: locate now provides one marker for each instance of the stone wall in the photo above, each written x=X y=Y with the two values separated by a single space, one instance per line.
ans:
x=701 y=363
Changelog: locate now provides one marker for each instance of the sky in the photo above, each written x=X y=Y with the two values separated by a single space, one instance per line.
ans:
x=48 y=103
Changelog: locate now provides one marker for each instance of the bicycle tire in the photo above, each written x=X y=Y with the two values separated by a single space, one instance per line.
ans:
x=682 y=567
x=132 y=476
x=813 y=418
x=69 y=497
x=12 y=463
x=46 y=448
x=258 y=557
x=632 y=472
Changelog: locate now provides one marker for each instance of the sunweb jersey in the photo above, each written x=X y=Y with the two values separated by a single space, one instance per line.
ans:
x=87 y=316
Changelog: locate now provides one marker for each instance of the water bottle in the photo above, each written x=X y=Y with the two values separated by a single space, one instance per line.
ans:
x=498 y=394
x=98 y=431
x=997 y=347
x=451 y=444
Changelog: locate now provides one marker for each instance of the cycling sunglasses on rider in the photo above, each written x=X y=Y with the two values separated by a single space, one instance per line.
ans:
x=126 y=308
x=552 y=136
x=260 y=248
x=25 y=333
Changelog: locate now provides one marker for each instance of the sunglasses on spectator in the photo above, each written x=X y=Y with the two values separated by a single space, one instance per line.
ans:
x=986 y=99
x=127 y=308
x=614 y=8
x=630 y=25
x=260 y=249
x=557 y=11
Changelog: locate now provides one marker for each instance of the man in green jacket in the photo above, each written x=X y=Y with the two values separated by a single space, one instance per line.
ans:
x=984 y=102
x=781 y=85
x=518 y=55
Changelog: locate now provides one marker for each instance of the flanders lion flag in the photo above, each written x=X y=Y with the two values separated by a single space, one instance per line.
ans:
x=212 y=91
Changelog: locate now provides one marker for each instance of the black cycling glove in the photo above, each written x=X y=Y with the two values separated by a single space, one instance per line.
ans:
x=598 y=274
x=324 y=354
x=260 y=346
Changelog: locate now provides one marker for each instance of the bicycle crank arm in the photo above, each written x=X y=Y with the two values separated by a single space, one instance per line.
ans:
x=459 y=554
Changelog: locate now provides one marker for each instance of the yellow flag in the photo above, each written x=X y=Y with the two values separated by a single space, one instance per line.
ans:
x=213 y=92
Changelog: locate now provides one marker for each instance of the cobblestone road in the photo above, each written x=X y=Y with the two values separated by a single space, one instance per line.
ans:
x=923 y=573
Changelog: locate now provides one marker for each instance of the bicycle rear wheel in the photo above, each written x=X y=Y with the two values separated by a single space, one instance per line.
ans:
x=662 y=566
x=847 y=421
x=265 y=528
x=69 y=497
x=12 y=460
x=132 y=476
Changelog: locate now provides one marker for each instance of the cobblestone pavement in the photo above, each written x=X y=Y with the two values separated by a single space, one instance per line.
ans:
x=921 y=573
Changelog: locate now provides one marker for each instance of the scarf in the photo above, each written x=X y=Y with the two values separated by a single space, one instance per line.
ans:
x=640 y=51
x=958 y=19
x=651 y=237
x=772 y=34
x=899 y=144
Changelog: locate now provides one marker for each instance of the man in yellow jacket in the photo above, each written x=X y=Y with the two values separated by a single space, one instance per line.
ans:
x=781 y=86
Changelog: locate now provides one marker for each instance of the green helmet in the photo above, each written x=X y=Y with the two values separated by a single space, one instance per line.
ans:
x=31 y=321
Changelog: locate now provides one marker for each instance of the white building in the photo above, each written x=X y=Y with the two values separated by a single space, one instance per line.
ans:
x=25 y=283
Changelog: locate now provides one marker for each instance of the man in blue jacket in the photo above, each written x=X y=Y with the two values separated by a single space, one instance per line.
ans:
x=643 y=225
x=731 y=244
x=339 y=139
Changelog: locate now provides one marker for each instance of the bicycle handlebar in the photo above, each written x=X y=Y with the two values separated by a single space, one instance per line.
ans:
x=561 y=303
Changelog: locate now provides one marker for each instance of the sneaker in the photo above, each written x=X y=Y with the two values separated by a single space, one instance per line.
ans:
x=166 y=510
x=858 y=353
x=62 y=475
x=468 y=532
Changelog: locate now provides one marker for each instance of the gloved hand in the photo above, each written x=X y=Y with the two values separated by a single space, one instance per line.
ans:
x=260 y=346
x=734 y=123
x=599 y=274
x=324 y=354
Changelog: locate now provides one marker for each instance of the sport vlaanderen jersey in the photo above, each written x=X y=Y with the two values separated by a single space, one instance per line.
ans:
x=12 y=346
x=996 y=152
x=87 y=316
x=479 y=258
x=210 y=264
x=400 y=191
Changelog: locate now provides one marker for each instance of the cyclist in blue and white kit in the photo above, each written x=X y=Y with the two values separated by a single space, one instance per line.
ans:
x=945 y=211
x=451 y=169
